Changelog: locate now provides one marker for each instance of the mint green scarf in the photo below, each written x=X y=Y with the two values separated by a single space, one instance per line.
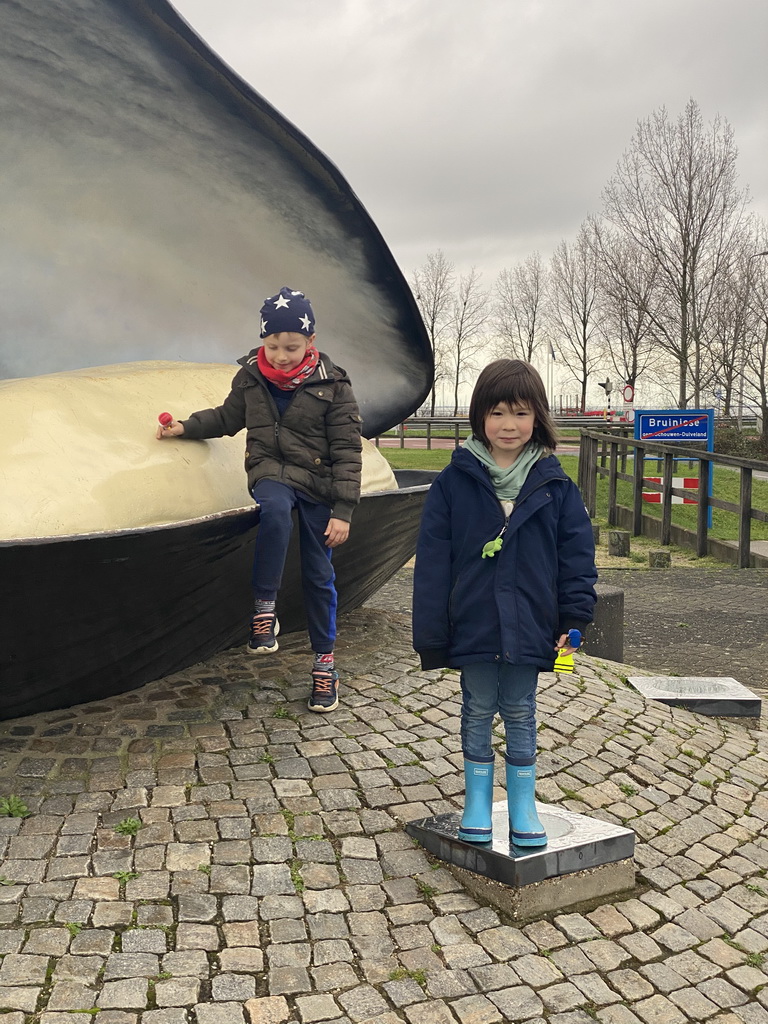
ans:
x=506 y=482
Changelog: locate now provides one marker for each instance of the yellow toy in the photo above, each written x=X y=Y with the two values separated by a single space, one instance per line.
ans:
x=564 y=662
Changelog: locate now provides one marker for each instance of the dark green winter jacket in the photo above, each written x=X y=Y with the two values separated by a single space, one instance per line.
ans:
x=315 y=446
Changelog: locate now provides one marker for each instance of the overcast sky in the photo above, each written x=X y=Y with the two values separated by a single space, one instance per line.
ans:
x=488 y=129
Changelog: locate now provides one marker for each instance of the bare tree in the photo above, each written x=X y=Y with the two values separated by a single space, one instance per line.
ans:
x=755 y=379
x=731 y=326
x=573 y=309
x=627 y=286
x=471 y=310
x=517 y=308
x=674 y=194
x=433 y=288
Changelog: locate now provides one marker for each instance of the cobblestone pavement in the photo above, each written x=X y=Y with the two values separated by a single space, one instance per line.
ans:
x=207 y=851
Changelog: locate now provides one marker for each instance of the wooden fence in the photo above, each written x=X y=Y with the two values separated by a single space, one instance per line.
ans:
x=605 y=454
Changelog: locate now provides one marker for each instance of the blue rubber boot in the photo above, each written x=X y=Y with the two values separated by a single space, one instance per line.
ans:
x=476 y=821
x=525 y=829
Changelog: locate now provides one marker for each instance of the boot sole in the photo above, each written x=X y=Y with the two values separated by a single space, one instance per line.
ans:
x=475 y=837
x=531 y=841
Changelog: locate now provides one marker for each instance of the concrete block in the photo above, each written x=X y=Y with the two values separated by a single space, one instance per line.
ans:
x=605 y=637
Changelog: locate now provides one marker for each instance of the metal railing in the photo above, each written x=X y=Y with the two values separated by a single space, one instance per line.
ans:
x=457 y=427
x=604 y=455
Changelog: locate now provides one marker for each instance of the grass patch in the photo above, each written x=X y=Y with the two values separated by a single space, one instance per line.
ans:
x=725 y=486
x=417 y=458
x=400 y=974
x=128 y=827
x=13 y=807
x=125 y=876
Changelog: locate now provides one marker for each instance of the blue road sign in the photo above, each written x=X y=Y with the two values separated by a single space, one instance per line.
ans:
x=678 y=425
x=675 y=425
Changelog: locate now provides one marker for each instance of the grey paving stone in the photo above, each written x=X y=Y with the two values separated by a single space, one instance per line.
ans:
x=163 y=1016
x=536 y=971
x=605 y=954
x=561 y=997
x=629 y=984
x=233 y=987
x=694 y=1004
x=362 y=1002
x=641 y=946
x=658 y=1010
x=517 y=1003
x=571 y=960
x=223 y=1013
x=722 y=993
x=19 y=998
x=130 y=994
x=274 y=908
x=334 y=977
x=505 y=942
x=289 y=981
x=432 y=1012
x=674 y=937
x=576 y=927
x=183 y=991
x=317 y=1008
x=489 y=977
x=21 y=969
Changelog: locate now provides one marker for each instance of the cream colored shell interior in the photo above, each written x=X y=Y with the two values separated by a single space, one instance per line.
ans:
x=78 y=452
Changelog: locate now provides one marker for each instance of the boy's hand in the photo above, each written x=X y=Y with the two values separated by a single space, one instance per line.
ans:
x=174 y=430
x=337 y=532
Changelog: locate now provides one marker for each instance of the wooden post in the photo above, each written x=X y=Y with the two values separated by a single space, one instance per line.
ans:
x=702 y=512
x=596 y=533
x=618 y=543
x=637 y=492
x=666 y=499
x=745 y=517
x=612 y=500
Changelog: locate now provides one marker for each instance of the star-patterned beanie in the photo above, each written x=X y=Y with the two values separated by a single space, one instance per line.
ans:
x=287 y=311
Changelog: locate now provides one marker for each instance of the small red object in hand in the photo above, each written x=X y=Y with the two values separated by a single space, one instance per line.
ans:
x=165 y=419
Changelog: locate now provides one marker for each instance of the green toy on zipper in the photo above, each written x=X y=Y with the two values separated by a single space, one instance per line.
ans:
x=490 y=549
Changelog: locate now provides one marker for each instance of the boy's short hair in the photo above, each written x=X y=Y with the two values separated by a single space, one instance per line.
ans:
x=514 y=382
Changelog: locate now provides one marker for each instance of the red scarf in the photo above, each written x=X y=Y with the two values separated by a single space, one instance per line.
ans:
x=288 y=380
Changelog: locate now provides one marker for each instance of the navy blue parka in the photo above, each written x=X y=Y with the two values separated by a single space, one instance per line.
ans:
x=512 y=607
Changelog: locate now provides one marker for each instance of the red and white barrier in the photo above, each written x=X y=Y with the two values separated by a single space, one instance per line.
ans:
x=690 y=483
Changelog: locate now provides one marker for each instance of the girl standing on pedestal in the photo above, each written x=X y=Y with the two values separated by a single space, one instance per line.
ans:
x=505 y=568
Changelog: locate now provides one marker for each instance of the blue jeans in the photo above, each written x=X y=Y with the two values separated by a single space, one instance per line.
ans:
x=276 y=502
x=489 y=689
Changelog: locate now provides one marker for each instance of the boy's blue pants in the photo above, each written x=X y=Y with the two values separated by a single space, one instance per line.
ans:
x=276 y=501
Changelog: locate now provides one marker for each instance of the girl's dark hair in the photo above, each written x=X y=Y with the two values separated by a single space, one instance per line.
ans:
x=512 y=381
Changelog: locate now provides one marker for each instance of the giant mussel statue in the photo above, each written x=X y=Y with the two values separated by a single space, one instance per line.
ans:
x=150 y=200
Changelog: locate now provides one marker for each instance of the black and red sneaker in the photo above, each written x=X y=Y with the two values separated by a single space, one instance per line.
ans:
x=325 y=690
x=264 y=630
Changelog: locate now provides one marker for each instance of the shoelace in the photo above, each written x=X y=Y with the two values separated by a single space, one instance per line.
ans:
x=261 y=625
x=322 y=682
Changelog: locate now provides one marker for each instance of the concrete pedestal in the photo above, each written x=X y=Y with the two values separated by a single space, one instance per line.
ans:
x=720 y=696
x=584 y=858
